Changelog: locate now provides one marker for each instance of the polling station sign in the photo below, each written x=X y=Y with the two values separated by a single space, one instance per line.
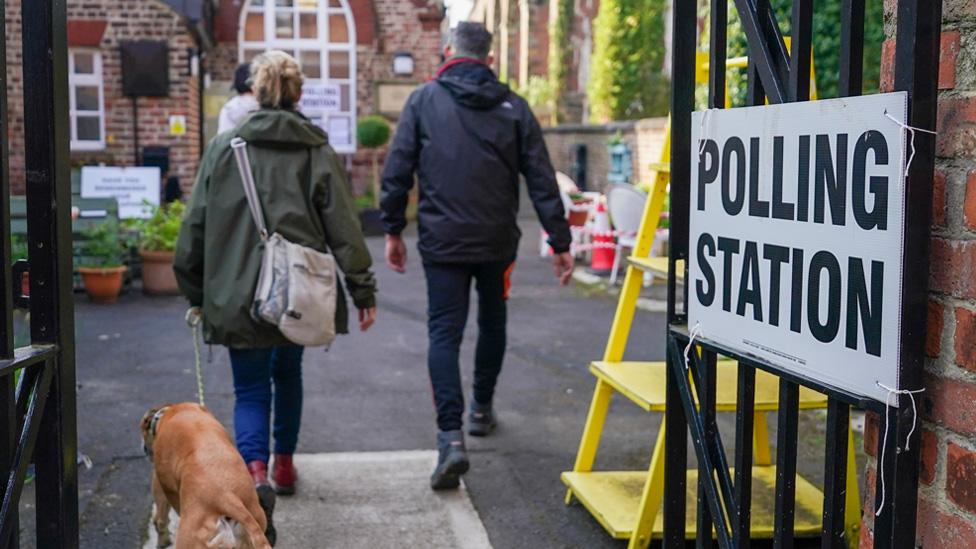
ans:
x=796 y=236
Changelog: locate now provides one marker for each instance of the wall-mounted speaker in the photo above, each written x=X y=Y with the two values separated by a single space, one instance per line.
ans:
x=145 y=68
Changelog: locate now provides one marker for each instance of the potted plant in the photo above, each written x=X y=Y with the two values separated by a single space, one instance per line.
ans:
x=157 y=242
x=373 y=132
x=101 y=265
x=579 y=211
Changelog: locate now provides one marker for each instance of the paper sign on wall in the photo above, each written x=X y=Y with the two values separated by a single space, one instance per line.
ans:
x=131 y=187
x=796 y=236
x=318 y=97
x=177 y=125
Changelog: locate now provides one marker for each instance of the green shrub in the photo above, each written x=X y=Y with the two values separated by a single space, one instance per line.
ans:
x=160 y=231
x=18 y=247
x=628 y=57
x=373 y=132
x=826 y=45
x=560 y=54
x=102 y=248
x=538 y=92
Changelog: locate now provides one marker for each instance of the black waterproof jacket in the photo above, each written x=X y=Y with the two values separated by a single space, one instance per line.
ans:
x=468 y=137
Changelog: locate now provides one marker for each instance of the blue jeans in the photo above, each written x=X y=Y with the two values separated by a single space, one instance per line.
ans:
x=254 y=371
x=448 y=296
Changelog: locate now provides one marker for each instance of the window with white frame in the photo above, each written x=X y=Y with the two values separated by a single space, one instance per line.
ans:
x=321 y=35
x=87 y=102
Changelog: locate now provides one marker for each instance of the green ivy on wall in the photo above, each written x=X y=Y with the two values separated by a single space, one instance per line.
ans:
x=560 y=54
x=626 y=81
x=826 y=45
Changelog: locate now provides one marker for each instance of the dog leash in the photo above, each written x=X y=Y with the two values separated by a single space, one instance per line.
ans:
x=193 y=321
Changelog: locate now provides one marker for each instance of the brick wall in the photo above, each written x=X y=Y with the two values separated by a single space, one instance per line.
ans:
x=947 y=487
x=644 y=137
x=127 y=19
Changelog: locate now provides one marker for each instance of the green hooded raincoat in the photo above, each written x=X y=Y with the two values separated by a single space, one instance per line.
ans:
x=305 y=197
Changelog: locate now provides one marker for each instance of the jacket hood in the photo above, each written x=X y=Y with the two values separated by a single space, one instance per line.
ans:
x=281 y=129
x=472 y=84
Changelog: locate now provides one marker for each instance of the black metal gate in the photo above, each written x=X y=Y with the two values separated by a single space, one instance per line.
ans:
x=779 y=75
x=38 y=412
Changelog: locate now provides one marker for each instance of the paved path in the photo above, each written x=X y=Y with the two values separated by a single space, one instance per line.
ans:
x=366 y=500
x=370 y=394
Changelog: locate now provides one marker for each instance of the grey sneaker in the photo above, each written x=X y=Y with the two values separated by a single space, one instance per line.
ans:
x=481 y=420
x=452 y=460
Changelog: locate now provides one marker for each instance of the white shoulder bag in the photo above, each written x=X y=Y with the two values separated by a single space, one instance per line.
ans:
x=296 y=288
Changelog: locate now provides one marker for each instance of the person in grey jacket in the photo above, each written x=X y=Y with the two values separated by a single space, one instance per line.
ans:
x=468 y=137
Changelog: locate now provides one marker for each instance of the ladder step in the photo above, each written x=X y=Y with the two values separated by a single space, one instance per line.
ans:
x=613 y=497
x=661 y=167
x=643 y=383
x=657 y=266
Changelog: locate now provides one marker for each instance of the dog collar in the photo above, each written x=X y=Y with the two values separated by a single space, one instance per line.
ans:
x=147 y=447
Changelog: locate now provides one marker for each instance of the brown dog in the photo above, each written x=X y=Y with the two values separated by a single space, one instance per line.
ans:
x=198 y=472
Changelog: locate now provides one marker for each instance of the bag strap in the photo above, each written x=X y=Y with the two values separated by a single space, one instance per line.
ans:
x=247 y=181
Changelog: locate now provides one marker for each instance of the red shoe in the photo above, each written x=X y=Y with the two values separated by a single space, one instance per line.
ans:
x=284 y=474
x=266 y=496
x=259 y=473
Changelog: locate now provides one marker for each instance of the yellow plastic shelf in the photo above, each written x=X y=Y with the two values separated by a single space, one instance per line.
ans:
x=612 y=497
x=644 y=384
x=657 y=266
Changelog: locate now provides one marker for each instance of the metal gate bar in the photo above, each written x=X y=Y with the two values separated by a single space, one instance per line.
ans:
x=916 y=71
x=783 y=76
x=8 y=401
x=683 y=56
x=39 y=414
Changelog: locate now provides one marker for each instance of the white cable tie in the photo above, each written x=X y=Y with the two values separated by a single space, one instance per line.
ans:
x=701 y=130
x=884 y=441
x=911 y=137
x=695 y=332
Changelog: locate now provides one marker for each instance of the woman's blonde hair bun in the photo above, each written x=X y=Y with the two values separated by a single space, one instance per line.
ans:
x=277 y=80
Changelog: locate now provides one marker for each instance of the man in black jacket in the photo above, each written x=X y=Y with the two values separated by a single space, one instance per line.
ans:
x=467 y=137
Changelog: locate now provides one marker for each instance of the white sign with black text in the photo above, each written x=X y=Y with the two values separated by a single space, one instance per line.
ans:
x=319 y=97
x=796 y=236
x=133 y=188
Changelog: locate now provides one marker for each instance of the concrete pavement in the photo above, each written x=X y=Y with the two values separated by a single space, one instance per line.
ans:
x=370 y=393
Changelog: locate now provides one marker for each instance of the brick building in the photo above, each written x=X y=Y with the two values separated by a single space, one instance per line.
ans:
x=102 y=125
x=947 y=487
x=350 y=46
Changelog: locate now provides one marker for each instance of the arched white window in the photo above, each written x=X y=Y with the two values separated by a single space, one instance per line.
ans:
x=321 y=35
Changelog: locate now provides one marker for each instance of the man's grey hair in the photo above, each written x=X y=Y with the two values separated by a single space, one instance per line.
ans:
x=471 y=39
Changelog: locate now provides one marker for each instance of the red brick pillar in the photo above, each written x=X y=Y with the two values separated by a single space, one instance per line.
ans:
x=947 y=479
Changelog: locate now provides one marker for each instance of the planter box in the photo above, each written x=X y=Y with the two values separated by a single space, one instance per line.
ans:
x=157 y=273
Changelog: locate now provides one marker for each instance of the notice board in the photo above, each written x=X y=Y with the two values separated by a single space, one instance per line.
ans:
x=796 y=236
x=135 y=188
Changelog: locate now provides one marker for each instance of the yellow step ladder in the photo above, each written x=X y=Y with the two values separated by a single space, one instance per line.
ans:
x=626 y=503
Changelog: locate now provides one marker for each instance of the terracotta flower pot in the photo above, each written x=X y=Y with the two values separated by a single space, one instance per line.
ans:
x=157 y=273
x=103 y=285
x=579 y=213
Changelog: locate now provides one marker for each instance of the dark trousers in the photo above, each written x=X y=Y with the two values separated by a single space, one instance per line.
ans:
x=254 y=372
x=448 y=297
